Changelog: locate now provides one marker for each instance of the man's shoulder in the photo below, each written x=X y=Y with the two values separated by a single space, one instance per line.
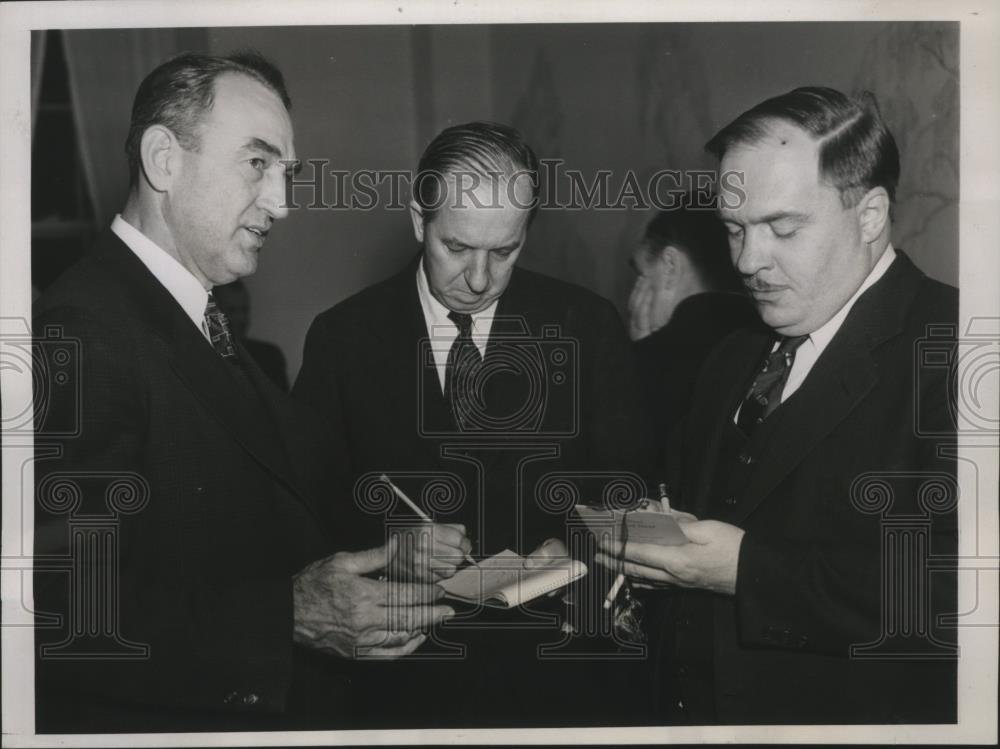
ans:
x=541 y=298
x=359 y=307
x=90 y=287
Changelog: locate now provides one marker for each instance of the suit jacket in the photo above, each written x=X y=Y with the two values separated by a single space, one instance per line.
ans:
x=558 y=424
x=831 y=489
x=174 y=611
x=669 y=359
x=560 y=397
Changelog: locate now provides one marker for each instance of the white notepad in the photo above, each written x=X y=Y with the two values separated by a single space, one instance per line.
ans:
x=642 y=527
x=503 y=581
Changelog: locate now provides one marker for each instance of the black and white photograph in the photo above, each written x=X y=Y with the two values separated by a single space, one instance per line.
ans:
x=476 y=373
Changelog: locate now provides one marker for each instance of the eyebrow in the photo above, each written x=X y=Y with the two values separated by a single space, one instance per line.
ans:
x=772 y=217
x=452 y=242
x=259 y=144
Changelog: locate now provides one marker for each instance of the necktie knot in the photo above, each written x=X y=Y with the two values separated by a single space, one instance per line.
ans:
x=217 y=325
x=463 y=322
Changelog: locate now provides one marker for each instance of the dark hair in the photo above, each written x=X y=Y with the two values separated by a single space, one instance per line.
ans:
x=857 y=151
x=695 y=230
x=178 y=93
x=486 y=149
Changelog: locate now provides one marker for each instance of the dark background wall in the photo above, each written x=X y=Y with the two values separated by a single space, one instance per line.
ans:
x=621 y=97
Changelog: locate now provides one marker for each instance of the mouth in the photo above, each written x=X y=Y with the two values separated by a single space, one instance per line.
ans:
x=259 y=232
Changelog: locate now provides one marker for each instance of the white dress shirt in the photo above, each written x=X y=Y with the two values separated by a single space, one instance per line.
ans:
x=174 y=277
x=442 y=331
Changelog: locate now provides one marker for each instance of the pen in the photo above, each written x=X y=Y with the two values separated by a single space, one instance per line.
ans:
x=423 y=515
x=664 y=499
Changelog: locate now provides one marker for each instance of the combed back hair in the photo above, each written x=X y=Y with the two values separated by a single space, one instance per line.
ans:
x=856 y=150
x=695 y=230
x=480 y=149
x=179 y=93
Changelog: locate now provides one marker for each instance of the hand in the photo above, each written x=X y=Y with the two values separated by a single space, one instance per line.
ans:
x=429 y=552
x=338 y=611
x=640 y=305
x=709 y=561
x=545 y=552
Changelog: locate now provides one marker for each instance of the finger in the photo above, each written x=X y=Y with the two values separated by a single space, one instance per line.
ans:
x=409 y=594
x=381 y=638
x=450 y=540
x=683 y=517
x=441 y=570
x=654 y=555
x=369 y=560
x=606 y=560
x=390 y=653
x=414 y=618
x=642 y=572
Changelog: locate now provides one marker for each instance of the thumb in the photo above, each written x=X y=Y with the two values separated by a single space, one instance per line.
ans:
x=369 y=560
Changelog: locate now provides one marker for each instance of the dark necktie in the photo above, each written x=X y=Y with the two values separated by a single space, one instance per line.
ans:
x=460 y=370
x=218 y=330
x=765 y=393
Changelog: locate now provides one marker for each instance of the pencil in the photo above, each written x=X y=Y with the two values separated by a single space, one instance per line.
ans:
x=613 y=593
x=413 y=506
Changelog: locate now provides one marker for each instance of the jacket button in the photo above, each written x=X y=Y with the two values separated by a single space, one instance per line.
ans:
x=228 y=699
x=745 y=459
x=251 y=699
x=730 y=500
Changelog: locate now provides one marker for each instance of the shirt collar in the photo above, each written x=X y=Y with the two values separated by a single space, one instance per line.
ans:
x=436 y=314
x=174 y=277
x=821 y=337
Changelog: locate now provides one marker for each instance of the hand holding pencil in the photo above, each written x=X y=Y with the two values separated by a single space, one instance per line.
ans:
x=429 y=551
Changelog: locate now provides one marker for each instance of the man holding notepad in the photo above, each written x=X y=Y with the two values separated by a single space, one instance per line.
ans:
x=468 y=383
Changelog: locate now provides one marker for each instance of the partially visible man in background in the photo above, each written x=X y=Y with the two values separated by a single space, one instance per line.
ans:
x=686 y=298
x=184 y=579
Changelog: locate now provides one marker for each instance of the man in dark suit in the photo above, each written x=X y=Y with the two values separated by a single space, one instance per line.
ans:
x=686 y=298
x=491 y=395
x=184 y=579
x=820 y=458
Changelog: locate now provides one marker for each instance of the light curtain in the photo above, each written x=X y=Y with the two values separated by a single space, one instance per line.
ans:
x=101 y=64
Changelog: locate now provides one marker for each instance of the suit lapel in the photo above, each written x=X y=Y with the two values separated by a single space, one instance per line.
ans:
x=197 y=365
x=839 y=381
x=404 y=366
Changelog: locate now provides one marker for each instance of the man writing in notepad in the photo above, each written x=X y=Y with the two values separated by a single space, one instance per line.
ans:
x=467 y=379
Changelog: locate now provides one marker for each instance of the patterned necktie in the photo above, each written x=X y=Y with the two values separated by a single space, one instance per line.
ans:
x=218 y=330
x=765 y=393
x=463 y=362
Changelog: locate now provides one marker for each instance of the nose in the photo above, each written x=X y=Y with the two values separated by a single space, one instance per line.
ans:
x=477 y=272
x=273 y=193
x=750 y=254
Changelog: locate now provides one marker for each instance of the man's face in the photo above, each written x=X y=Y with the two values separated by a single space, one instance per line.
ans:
x=470 y=249
x=228 y=192
x=800 y=252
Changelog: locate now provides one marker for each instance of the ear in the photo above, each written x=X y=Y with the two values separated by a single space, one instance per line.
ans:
x=873 y=214
x=160 y=151
x=417 y=217
x=668 y=263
